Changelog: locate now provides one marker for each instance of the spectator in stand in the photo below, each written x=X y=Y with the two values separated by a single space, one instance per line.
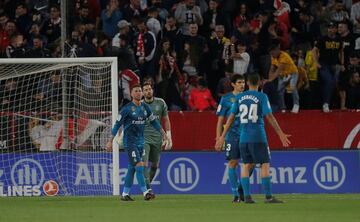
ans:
x=187 y=13
x=52 y=26
x=355 y=16
x=345 y=78
x=228 y=9
x=145 y=49
x=306 y=31
x=90 y=31
x=132 y=10
x=35 y=31
x=329 y=61
x=282 y=13
x=78 y=47
x=258 y=21
x=200 y=98
x=241 y=58
x=348 y=40
x=9 y=30
x=281 y=30
x=83 y=16
x=38 y=51
x=110 y=18
x=99 y=93
x=224 y=85
x=4 y=37
x=242 y=34
x=153 y=23
x=216 y=49
x=126 y=55
x=49 y=92
x=168 y=76
x=165 y=59
x=311 y=67
x=194 y=48
x=124 y=29
x=171 y=32
x=242 y=16
x=81 y=29
x=353 y=92
x=338 y=13
x=37 y=17
x=284 y=68
x=94 y=9
x=16 y=48
x=8 y=95
x=163 y=13
x=266 y=37
x=212 y=17
x=22 y=19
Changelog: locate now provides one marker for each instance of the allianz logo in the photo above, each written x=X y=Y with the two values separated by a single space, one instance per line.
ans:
x=183 y=174
x=27 y=172
x=328 y=172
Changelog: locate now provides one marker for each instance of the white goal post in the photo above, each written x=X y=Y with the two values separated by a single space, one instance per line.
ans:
x=75 y=120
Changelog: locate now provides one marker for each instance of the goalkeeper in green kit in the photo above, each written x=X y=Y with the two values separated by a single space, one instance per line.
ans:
x=153 y=138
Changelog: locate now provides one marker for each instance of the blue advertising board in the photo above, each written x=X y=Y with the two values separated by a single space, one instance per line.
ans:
x=71 y=173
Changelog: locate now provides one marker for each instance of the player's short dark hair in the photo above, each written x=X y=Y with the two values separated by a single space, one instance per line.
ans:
x=236 y=77
x=135 y=86
x=254 y=79
x=147 y=83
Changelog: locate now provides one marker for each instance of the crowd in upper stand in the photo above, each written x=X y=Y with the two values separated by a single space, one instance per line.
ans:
x=307 y=52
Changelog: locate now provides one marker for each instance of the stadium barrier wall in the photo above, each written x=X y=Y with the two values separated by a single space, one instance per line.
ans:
x=66 y=173
x=195 y=131
x=309 y=129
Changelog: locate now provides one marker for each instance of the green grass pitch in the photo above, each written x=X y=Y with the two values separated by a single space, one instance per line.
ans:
x=187 y=208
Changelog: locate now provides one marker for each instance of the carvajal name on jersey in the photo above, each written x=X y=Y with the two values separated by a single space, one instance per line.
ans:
x=253 y=98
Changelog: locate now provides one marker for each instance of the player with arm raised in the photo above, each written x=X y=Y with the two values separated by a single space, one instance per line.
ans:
x=153 y=139
x=232 y=150
x=253 y=106
x=133 y=117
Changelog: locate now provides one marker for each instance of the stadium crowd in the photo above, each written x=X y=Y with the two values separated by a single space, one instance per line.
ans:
x=307 y=52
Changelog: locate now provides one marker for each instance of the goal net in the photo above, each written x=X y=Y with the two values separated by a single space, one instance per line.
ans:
x=55 y=120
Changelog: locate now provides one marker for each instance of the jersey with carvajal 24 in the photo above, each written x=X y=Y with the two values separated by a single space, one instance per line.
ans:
x=159 y=109
x=252 y=107
x=133 y=119
x=224 y=109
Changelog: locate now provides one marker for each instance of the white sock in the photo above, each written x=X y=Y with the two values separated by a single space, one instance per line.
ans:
x=147 y=191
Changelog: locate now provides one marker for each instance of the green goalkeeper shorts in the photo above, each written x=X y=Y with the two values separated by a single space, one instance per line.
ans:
x=152 y=152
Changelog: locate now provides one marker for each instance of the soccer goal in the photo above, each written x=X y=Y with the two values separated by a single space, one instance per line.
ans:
x=56 y=117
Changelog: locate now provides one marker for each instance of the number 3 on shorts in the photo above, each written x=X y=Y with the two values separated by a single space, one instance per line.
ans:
x=228 y=147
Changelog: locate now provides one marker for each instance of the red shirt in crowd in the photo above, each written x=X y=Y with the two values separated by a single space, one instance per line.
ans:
x=4 y=40
x=201 y=99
